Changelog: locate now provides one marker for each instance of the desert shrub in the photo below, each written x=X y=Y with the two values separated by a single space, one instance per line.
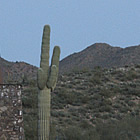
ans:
x=68 y=121
x=32 y=82
x=105 y=108
x=105 y=116
x=106 y=93
x=54 y=114
x=130 y=103
x=122 y=98
x=82 y=110
x=85 y=124
x=96 y=110
x=131 y=74
x=117 y=105
x=26 y=102
x=77 y=133
x=85 y=99
x=115 y=90
x=65 y=97
x=30 y=127
x=95 y=80
x=127 y=99
x=71 y=98
x=123 y=109
x=53 y=131
x=98 y=115
x=70 y=86
x=96 y=97
x=74 y=114
x=137 y=66
x=30 y=101
x=137 y=112
x=126 y=129
x=108 y=102
x=131 y=91
x=97 y=76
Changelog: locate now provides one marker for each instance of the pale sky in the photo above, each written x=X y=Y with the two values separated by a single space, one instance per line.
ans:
x=75 y=24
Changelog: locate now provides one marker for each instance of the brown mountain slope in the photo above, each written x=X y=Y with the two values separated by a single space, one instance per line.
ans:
x=15 y=72
x=101 y=54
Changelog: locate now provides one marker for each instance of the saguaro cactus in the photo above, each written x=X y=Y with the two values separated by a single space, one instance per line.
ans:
x=46 y=79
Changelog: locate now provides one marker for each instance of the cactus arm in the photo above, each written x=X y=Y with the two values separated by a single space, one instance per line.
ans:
x=40 y=78
x=56 y=56
x=52 y=79
x=45 y=47
x=44 y=64
x=42 y=73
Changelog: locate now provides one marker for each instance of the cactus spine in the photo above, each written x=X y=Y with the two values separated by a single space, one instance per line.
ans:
x=46 y=80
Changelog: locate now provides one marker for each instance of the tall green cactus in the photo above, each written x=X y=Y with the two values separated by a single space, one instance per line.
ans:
x=46 y=79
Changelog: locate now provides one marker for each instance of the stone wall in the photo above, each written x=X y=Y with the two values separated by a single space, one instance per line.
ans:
x=11 y=118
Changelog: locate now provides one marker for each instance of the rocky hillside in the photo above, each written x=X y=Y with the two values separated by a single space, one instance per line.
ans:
x=17 y=72
x=101 y=54
x=98 y=104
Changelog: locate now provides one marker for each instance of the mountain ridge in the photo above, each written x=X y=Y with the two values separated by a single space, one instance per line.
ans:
x=101 y=54
x=98 y=54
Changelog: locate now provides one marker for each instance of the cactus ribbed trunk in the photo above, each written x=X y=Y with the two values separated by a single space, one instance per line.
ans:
x=44 y=100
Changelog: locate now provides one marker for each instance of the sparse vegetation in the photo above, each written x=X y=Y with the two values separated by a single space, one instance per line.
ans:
x=106 y=111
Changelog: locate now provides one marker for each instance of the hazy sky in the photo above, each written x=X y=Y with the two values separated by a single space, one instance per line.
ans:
x=75 y=24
